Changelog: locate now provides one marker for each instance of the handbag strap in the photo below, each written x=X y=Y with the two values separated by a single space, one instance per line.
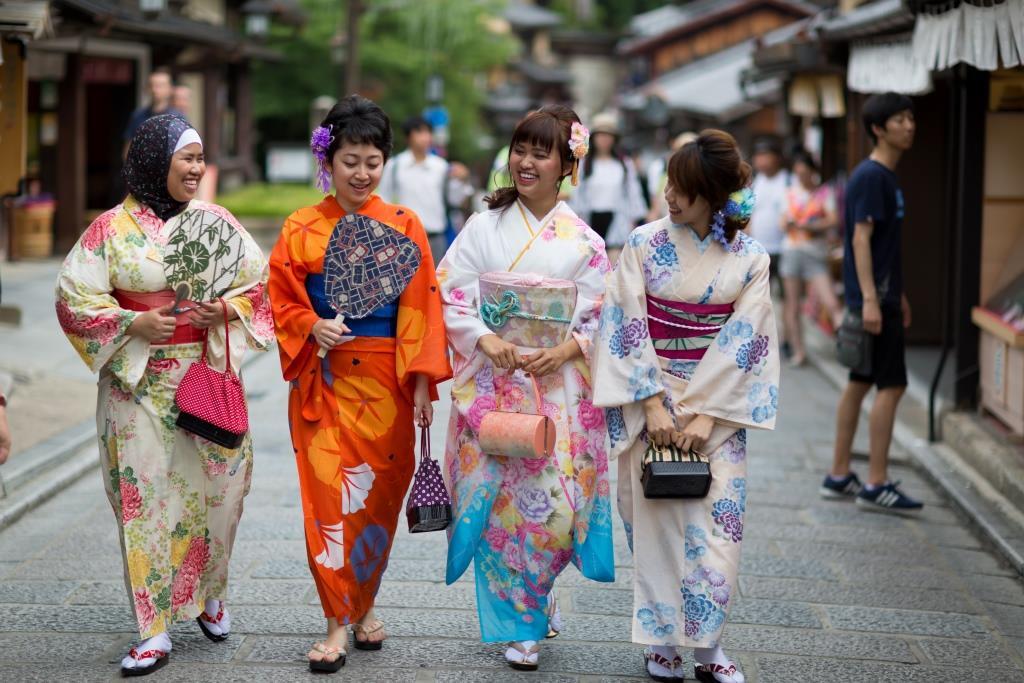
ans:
x=227 y=339
x=425 y=445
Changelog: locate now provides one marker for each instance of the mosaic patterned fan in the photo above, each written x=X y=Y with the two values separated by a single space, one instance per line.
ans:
x=367 y=265
x=205 y=252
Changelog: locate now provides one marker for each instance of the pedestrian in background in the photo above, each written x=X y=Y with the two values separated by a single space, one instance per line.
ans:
x=161 y=91
x=873 y=287
x=686 y=356
x=353 y=413
x=811 y=219
x=421 y=180
x=5 y=429
x=177 y=497
x=609 y=197
x=522 y=520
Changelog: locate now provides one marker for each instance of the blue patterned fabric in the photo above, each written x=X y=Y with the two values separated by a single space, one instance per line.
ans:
x=383 y=322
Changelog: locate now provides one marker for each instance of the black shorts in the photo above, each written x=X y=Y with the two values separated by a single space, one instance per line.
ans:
x=888 y=354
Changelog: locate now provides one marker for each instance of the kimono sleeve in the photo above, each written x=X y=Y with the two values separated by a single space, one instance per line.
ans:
x=293 y=313
x=737 y=380
x=421 y=343
x=254 y=328
x=590 y=287
x=88 y=312
x=624 y=365
x=459 y=276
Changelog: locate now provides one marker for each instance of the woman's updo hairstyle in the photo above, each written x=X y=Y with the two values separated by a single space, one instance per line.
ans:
x=550 y=128
x=358 y=121
x=713 y=168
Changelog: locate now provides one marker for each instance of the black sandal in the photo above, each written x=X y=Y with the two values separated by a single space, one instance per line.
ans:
x=322 y=666
x=161 y=661
x=205 y=629
x=705 y=673
x=366 y=643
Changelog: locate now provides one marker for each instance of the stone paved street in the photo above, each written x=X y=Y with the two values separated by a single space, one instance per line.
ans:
x=829 y=593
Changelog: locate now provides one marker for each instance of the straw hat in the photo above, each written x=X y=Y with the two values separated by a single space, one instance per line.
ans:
x=605 y=122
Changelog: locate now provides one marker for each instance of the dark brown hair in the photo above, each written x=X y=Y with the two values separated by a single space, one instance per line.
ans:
x=548 y=127
x=711 y=167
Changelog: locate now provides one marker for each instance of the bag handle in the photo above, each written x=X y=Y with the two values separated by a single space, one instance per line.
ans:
x=227 y=339
x=425 y=445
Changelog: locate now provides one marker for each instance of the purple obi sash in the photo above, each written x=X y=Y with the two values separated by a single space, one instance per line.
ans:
x=683 y=331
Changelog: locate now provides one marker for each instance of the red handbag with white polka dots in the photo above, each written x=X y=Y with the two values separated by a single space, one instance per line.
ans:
x=211 y=403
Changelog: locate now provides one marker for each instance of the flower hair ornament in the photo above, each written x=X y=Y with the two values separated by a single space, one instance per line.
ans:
x=319 y=144
x=579 y=145
x=738 y=207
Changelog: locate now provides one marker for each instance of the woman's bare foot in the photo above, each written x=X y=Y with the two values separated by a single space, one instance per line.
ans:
x=369 y=632
x=332 y=649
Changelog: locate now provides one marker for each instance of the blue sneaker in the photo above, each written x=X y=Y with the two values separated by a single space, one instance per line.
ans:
x=838 y=489
x=888 y=498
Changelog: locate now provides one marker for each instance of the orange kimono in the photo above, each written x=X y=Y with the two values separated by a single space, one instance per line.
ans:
x=351 y=414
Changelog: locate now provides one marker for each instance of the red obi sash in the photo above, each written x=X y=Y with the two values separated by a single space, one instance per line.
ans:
x=683 y=331
x=184 y=333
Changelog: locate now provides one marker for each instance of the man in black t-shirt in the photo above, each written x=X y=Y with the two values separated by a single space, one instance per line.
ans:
x=873 y=282
x=161 y=90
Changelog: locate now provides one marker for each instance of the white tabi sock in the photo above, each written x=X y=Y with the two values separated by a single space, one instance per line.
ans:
x=161 y=641
x=670 y=653
x=715 y=655
x=217 y=628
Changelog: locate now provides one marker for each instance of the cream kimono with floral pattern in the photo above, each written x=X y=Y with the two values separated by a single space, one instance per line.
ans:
x=523 y=520
x=177 y=497
x=686 y=553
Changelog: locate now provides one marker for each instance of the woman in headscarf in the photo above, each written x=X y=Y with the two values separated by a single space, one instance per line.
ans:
x=177 y=497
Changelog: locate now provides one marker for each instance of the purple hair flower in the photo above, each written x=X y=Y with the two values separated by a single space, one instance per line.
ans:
x=718 y=228
x=319 y=143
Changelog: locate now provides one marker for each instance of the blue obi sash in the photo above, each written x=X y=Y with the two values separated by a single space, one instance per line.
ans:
x=383 y=322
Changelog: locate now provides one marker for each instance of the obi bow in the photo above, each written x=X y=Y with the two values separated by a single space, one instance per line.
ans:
x=496 y=313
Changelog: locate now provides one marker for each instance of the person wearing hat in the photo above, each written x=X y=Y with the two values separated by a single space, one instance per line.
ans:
x=609 y=197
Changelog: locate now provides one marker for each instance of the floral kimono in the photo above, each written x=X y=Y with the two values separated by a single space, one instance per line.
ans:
x=694 y=320
x=523 y=520
x=351 y=413
x=177 y=497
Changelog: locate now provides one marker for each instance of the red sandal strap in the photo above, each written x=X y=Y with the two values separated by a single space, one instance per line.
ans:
x=155 y=654
x=661 y=660
x=210 y=620
x=718 y=669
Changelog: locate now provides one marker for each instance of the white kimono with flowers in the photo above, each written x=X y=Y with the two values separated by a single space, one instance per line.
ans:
x=177 y=497
x=686 y=552
x=523 y=520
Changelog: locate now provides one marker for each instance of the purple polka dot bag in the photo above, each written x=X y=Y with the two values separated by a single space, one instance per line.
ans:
x=429 y=507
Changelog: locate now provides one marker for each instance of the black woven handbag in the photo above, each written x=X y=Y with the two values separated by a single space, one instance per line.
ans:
x=668 y=472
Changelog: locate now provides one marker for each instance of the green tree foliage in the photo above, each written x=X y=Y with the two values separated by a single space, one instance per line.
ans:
x=402 y=43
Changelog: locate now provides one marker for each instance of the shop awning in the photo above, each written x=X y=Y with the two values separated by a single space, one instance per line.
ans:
x=887 y=65
x=31 y=18
x=869 y=19
x=710 y=87
x=986 y=37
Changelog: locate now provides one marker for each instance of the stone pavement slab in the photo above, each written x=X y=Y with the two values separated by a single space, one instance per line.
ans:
x=827 y=592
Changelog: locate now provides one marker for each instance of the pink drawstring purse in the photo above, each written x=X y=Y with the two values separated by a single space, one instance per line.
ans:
x=517 y=435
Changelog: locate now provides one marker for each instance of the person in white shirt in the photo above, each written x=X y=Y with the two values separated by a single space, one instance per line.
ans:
x=770 y=186
x=419 y=179
x=609 y=197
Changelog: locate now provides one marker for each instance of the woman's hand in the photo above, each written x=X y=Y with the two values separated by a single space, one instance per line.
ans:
x=210 y=314
x=423 y=409
x=546 y=361
x=696 y=433
x=661 y=427
x=155 y=325
x=503 y=355
x=328 y=332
